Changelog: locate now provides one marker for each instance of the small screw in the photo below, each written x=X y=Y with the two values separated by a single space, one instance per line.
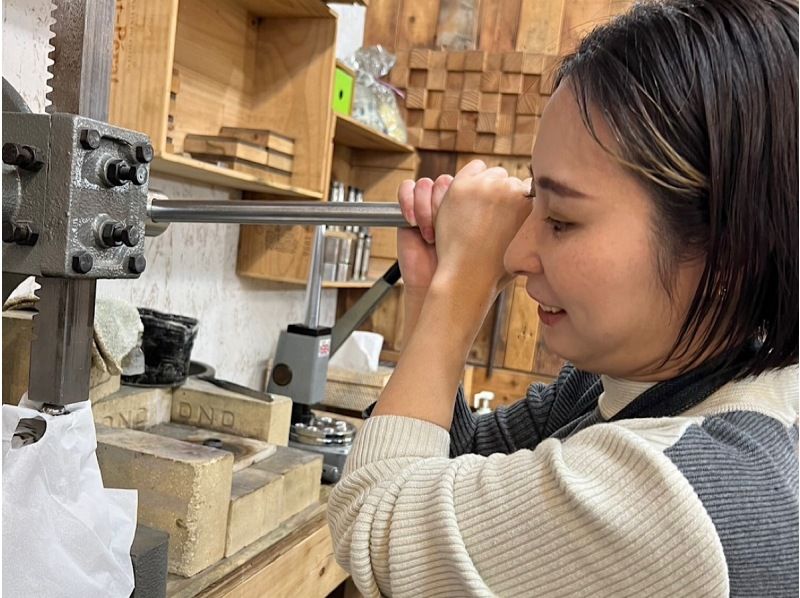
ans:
x=27 y=157
x=90 y=139
x=137 y=264
x=118 y=172
x=21 y=234
x=144 y=153
x=82 y=262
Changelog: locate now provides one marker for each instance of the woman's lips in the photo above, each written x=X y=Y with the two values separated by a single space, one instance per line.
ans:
x=549 y=317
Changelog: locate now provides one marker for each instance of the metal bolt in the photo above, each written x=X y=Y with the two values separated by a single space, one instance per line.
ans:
x=21 y=234
x=118 y=172
x=90 y=139
x=114 y=234
x=27 y=157
x=144 y=153
x=137 y=264
x=82 y=262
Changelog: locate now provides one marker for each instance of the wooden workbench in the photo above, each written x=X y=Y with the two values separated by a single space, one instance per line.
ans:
x=295 y=560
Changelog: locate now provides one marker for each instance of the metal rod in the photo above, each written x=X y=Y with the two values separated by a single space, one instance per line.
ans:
x=276 y=212
x=314 y=286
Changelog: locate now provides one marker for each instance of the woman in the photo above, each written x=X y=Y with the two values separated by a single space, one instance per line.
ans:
x=661 y=245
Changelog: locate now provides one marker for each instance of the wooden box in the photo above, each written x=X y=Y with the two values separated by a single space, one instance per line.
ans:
x=257 y=64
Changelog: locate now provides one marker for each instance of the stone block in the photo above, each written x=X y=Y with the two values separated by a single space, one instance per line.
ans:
x=301 y=472
x=184 y=490
x=245 y=451
x=134 y=407
x=256 y=507
x=204 y=405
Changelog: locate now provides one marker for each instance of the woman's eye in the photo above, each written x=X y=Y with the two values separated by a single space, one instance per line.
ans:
x=557 y=226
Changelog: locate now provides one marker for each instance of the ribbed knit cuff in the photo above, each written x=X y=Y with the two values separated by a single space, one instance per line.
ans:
x=392 y=436
x=462 y=430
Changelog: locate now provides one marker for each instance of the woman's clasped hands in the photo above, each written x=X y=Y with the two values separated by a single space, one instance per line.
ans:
x=464 y=224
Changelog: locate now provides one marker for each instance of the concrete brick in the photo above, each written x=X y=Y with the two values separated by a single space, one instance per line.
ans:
x=245 y=451
x=256 y=507
x=202 y=404
x=134 y=407
x=184 y=490
x=301 y=472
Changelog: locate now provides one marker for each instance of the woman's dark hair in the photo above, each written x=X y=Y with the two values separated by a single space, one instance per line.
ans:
x=701 y=99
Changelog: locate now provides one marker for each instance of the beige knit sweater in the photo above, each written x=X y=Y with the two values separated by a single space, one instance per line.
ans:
x=602 y=513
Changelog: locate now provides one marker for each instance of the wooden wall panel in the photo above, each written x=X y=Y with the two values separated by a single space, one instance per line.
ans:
x=580 y=17
x=417 y=24
x=540 y=26
x=499 y=23
x=457 y=28
x=380 y=27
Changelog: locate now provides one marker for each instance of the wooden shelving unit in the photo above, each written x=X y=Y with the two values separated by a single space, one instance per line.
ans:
x=195 y=66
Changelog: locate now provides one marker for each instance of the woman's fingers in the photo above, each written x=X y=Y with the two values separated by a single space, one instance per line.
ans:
x=471 y=169
x=440 y=187
x=423 y=211
x=405 y=197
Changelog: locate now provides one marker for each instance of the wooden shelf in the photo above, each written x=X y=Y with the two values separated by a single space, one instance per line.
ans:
x=287 y=8
x=353 y=134
x=205 y=172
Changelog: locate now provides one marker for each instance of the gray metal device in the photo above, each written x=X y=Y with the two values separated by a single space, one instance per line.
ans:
x=301 y=364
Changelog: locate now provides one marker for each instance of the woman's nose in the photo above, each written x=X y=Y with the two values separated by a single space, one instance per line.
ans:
x=522 y=255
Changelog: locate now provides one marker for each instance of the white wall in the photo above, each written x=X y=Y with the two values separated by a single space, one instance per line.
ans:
x=191 y=268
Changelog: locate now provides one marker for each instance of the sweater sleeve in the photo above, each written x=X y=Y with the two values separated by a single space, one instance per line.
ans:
x=602 y=513
x=545 y=408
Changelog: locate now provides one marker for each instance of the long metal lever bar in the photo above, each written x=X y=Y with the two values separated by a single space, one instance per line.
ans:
x=276 y=212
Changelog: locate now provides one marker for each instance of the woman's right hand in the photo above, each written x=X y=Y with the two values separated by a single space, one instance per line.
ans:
x=416 y=247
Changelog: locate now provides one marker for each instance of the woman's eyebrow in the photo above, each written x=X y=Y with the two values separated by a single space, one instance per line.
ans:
x=559 y=188
x=554 y=186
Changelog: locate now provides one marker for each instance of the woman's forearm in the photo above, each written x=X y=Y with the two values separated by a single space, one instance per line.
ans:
x=428 y=372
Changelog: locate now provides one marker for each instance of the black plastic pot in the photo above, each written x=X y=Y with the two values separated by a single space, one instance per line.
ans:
x=167 y=343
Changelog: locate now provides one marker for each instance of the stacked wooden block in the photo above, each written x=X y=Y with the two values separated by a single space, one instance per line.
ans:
x=473 y=101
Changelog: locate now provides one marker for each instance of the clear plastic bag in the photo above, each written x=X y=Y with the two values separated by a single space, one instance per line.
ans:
x=374 y=101
x=64 y=535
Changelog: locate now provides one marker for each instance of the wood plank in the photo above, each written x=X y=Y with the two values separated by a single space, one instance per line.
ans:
x=141 y=67
x=580 y=17
x=499 y=23
x=351 y=133
x=540 y=26
x=457 y=27
x=17 y=337
x=197 y=170
x=263 y=137
x=295 y=60
x=229 y=147
x=523 y=328
x=278 y=253
x=381 y=24
x=417 y=24
x=299 y=565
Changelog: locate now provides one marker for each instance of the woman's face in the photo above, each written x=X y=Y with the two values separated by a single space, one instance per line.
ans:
x=588 y=250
